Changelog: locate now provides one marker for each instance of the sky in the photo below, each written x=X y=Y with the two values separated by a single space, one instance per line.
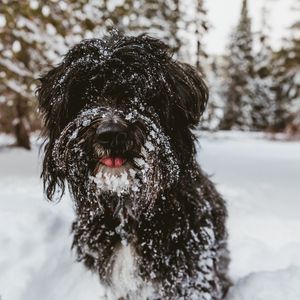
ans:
x=224 y=14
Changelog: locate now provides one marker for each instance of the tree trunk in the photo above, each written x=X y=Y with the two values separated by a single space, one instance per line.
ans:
x=21 y=125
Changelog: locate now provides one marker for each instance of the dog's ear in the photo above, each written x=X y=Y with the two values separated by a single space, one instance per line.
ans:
x=50 y=105
x=62 y=91
x=50 y=97
x=53 y=104
x=53 y=178
x=190 y=93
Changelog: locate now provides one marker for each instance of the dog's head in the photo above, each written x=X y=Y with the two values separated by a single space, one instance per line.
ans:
x=118 y=114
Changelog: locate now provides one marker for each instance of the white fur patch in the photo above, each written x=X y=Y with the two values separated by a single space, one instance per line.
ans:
x=124 y=280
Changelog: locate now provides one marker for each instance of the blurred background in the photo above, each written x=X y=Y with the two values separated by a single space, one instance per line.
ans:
x=249 y=53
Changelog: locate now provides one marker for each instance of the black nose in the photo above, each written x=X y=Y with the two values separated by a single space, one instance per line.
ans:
x=111 y=135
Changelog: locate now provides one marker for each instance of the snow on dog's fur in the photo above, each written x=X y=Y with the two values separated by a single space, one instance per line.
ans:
x=118 y=117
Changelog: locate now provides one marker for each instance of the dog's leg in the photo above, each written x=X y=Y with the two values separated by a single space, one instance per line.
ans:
x=181 y=247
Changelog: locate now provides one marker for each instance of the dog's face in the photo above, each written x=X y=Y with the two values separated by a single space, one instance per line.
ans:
x=118 y=114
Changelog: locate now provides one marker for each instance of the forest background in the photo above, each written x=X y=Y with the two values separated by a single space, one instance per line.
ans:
x=253 y=87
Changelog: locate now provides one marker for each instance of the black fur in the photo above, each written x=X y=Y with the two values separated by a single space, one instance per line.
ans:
x=171 y=215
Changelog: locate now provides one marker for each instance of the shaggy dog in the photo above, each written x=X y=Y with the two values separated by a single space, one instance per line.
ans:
x=118 y=114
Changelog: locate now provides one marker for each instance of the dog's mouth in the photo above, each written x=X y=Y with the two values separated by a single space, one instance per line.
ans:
x=114 y=164
x=112 y=161
x=115 y=173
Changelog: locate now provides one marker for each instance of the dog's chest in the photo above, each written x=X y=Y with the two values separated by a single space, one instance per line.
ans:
x=125 y=281
x=124 y=272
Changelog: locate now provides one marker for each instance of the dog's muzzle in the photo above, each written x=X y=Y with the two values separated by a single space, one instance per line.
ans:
x=117 y=143
x=112 y=135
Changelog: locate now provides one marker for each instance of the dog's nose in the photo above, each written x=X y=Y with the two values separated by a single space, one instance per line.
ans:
x=111 y=135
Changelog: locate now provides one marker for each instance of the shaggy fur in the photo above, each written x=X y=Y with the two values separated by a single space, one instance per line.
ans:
x=159 y=203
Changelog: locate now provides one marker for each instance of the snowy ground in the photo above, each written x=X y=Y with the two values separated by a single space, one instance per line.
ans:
x=260 y=180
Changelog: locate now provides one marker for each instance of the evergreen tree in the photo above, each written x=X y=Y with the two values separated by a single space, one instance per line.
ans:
x=263 y=102
x=287 y=80
x=15 y=66
x=33 y=35
x=159 y=18
x=201 y=24
x=294 y=71
x=281 y=88
x=193 y=26
x=214 y=111
x=239 y=89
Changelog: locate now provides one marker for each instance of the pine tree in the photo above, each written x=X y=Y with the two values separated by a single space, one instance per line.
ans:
x=294 y=74
x=287 y=79
x=193 y=26
x=263 y=102
x=34 y=35
x=14 y=65
x=239 y=90
x=282 y=86
x=200 y=30
x=158 y=18
x=215 y=107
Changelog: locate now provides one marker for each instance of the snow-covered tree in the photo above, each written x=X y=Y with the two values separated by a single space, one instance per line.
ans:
x=281 y=87
x=214 y=111
x=158 y=18
x=35 y=34
x=263 y=103
x=239 y=77
x=193 y=25
x=293 y=68
x=15 y=67
x=201 y=24
x=287 y=80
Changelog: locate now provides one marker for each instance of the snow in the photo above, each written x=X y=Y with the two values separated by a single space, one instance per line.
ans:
x=259 y=178
x=276 y=285
x=116 y=181
x=35 y=237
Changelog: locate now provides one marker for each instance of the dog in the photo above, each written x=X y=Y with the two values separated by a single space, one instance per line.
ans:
x=118 y=116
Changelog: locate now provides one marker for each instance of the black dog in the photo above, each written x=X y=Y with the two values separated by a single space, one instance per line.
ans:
x=118 y=115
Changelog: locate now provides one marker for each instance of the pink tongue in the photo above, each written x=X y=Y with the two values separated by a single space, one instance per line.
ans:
x=113 y=162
